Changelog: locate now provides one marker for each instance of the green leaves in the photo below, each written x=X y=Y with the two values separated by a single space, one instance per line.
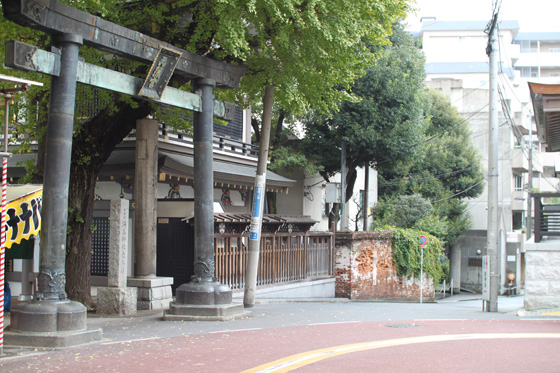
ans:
x=311 y=46
x=402 y=211
x=287 y=159
x=385 y=120
x=407 y=254
x=446 y=171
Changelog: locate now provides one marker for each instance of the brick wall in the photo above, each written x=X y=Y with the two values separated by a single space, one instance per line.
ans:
x=365 y=270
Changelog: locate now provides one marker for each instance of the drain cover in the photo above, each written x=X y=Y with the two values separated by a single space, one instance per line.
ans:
x=402 y=325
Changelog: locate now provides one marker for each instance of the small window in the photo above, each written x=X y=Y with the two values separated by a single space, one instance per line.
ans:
x=518 y=180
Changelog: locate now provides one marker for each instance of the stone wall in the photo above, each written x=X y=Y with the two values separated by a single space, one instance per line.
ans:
x=365 y=270
x=542 y=274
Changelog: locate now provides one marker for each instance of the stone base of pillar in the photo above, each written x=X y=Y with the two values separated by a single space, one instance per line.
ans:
x=153 y=293
x=49 y=324
x=117 y=301
x=205 y=302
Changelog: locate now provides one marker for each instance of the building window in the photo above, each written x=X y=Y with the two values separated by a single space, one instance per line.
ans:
x=528 y=72
x=528 y=46
x=554 y=50
x=518 y=180
x=517 y=218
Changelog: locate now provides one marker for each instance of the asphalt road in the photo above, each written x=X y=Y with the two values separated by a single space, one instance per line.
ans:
x=453 y=334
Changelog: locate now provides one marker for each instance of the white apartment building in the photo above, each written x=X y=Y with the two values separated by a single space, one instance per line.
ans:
x=458 y=66
x=539 y=62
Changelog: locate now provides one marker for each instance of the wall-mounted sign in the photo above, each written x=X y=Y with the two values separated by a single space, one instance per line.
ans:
x=512 y=237
x=160 y=73
x=23 y=216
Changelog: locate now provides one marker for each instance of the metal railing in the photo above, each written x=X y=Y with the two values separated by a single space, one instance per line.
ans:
x=547 y=216
x=443 y=287
x=283 y=257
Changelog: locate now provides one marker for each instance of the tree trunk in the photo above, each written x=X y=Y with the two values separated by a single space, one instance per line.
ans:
x=79 y=240
x=91 y=147
x=271 y=199
x=351 y=176
x=334 y=214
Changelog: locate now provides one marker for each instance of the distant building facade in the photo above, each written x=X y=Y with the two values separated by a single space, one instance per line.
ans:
x=457 y=65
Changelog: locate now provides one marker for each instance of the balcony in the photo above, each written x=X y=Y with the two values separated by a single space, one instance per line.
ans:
x=519 y=200
x=520 y=161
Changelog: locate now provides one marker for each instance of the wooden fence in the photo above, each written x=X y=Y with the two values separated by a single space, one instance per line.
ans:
x=283 y=257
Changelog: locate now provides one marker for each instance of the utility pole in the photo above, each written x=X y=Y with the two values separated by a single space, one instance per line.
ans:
x=530 y=184
x=365 y=200
x=493 y=229
x=259 y=193
x=342 y=185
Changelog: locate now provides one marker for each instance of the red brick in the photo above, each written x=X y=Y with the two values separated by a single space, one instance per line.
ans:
x=365 y=270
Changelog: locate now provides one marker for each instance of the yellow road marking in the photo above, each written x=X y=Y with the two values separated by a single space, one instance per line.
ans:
x=299 y=360
x=550 y=313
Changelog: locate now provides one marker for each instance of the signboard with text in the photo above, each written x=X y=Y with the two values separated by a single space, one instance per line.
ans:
x=160 y=73
x=256 y=214
x=486 y=277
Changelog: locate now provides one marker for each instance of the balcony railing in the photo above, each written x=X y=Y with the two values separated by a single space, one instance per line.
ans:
x=220 y=143
x=547 y=216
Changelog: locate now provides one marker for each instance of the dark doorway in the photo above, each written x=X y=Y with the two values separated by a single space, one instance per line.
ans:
x=175 y=250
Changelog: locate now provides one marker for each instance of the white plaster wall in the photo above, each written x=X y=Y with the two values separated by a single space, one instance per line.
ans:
x=463 y=46
x=307 y=197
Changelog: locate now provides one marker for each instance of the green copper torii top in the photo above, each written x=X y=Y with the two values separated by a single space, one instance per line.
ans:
x=54 y=17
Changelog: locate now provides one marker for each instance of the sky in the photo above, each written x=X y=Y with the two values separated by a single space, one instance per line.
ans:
x=532 y=15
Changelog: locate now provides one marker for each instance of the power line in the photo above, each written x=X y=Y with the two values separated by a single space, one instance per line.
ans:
x=443 y=199
x=462 y=121
x=412 y=178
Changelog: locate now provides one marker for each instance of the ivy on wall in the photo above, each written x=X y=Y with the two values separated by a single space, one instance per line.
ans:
x=407 y=253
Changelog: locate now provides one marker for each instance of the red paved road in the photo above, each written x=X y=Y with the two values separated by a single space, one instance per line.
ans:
x=242 y=350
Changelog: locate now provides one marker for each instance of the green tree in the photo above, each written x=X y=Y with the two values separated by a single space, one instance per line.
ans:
x=307 y=50
x=380 y=128
x=402 y=211
x=447 y=171
x=304 y=48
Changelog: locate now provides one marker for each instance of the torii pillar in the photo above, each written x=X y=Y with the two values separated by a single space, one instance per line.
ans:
x=51 y=319
x=204 y=298
x=153 y=292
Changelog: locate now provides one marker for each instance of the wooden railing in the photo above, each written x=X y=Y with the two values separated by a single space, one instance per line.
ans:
x=283 y=257
x=547 y=216
x=219 y=143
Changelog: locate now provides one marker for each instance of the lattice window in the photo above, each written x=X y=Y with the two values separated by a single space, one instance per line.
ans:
x=100 y=247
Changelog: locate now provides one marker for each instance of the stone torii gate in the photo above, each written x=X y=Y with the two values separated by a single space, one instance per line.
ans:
x=51 y=320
